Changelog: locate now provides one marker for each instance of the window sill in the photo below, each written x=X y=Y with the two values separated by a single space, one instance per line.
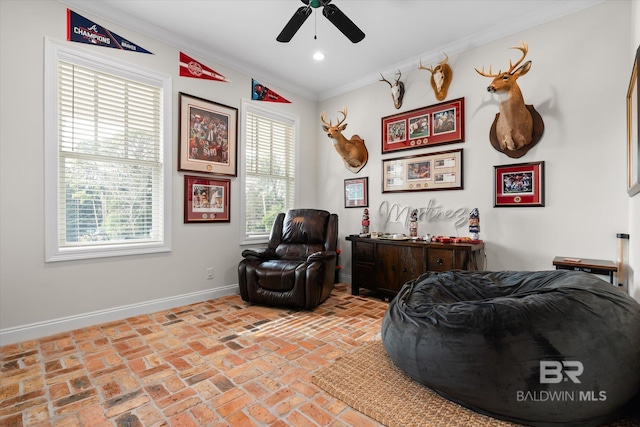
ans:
x=71 y=254
x=257 y=241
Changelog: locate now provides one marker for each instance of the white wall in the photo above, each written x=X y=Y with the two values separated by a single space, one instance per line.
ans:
x=634 y=204
x=578 y=82
x=76 y=292
x=584 y=147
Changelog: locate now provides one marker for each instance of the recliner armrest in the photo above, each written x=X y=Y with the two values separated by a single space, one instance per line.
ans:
x=260 y=253
x=321 y=256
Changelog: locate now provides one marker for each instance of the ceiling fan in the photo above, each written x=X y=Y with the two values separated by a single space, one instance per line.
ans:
x=330 y=11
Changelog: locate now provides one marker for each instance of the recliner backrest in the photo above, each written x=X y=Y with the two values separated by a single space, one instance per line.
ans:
x=302 y=232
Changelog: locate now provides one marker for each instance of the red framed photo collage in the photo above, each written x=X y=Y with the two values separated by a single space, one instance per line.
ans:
x=424 y=127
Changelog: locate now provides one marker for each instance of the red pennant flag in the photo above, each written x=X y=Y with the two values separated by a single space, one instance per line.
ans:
x=189 y=67
x=260 y=92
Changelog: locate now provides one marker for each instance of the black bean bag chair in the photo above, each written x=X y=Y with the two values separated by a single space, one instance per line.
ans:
x=540 y=348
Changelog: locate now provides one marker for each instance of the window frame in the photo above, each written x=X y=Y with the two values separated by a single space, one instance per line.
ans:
x=251 y=106
x=54 y=52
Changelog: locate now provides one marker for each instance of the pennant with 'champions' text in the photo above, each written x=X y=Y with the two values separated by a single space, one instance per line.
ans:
x=189 y=67
x=83 y=30
x=260 y=92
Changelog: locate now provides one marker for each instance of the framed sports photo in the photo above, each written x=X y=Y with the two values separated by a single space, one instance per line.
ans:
x=206 y=199
x=428 y=172
x=519 y=185
x=356 y=193
x=208 y=136
x=424 y=127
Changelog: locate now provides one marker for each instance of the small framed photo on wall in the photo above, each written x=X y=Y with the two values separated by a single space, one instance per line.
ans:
x=206 y=199
x=356 y=193
x=519 y=185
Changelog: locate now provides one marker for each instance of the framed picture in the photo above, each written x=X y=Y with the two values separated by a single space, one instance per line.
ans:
x=424 y=127
x=356 y=193
x=206 y=199
x=633 y=131
x=428 y=172
x=208 y=136
x=519 y=185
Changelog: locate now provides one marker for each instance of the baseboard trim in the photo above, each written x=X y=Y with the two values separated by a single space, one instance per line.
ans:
x=63 y=324
x=344 y=278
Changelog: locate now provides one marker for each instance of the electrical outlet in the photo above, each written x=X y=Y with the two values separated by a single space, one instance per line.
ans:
x=209 y=273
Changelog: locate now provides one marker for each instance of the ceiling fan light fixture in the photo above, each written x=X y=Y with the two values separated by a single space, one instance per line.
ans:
x=318 y=56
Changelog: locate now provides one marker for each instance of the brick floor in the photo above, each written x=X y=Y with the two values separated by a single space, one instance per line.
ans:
x=216 y=363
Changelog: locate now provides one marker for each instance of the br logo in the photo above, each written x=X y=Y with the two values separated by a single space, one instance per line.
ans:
x=554 y=372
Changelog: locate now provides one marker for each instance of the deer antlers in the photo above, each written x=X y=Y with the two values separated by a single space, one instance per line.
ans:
x=391 y=84
x=441 y=63
x=344 y=117
x=397 y=89
x=524 y=48
x=441 y=76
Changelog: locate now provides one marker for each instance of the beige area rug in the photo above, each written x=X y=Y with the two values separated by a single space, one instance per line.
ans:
x=368 y=381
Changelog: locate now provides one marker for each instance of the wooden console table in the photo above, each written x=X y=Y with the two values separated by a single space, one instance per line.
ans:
x=595 y=266
x=385 y=265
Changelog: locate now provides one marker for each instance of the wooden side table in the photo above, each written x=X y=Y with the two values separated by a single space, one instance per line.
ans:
x=595 y=266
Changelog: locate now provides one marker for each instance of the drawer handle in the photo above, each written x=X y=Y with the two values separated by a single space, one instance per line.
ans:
x=393 y=268
x=439 y=261
x=404 y=270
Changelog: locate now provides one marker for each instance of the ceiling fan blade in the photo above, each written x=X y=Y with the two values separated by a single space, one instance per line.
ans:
x=294 y=24
x=343 y=23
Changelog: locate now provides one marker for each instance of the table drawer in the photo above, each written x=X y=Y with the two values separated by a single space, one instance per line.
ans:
x=363 y=252
x=440 y=259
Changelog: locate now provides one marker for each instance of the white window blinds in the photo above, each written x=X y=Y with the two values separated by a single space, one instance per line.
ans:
x=110 y=158
x=109 y=163
x=270 y=171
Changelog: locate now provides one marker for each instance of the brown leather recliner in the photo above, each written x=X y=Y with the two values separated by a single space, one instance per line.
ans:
x=297 y=268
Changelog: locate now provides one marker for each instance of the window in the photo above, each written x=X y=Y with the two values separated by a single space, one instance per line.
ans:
x=107 y=176
x=269 y=169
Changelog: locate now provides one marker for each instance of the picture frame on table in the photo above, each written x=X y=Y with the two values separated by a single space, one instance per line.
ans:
x=356 y=192
x=208 y=141
x=519 y=185
x=633 y=130
x=427 y=172
x=206 y=199
x=437 y=124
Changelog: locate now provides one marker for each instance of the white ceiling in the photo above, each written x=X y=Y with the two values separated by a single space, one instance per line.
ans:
x=241 y=34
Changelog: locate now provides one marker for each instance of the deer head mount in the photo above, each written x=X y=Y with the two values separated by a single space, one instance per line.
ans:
x=353 y=151
x=441 y=76
x=397 y=90
x=517 y=127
